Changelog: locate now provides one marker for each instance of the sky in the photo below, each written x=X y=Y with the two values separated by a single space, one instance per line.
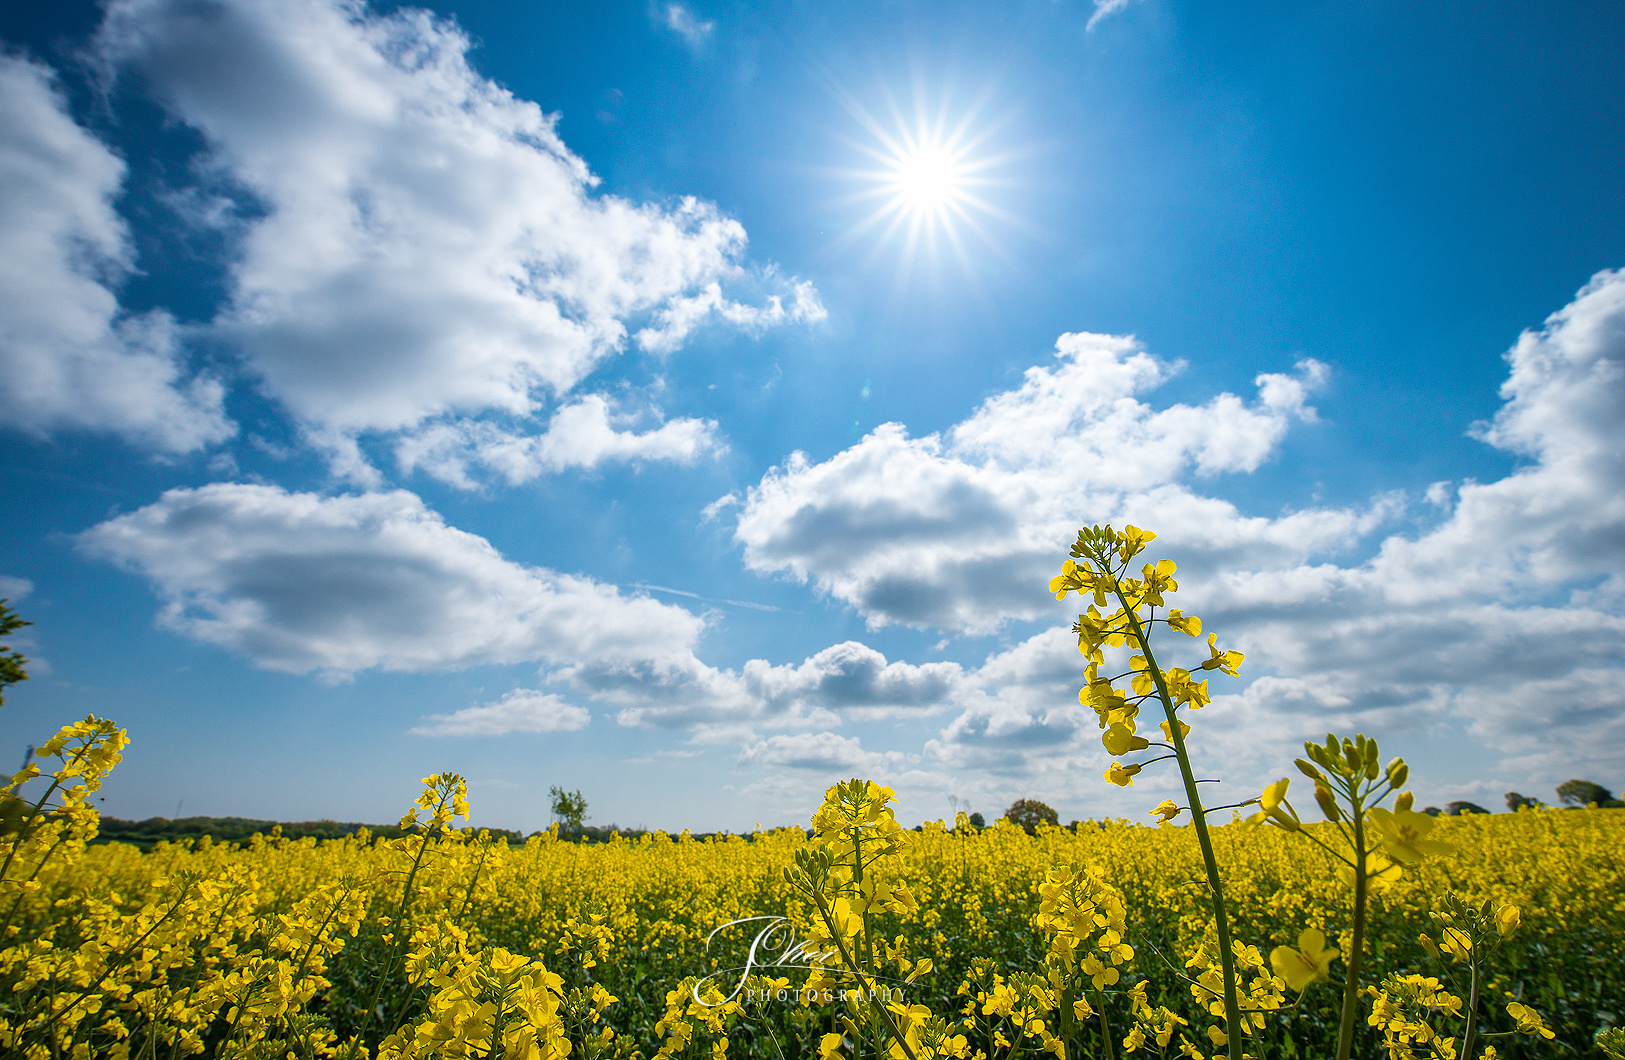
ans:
x=688 y=403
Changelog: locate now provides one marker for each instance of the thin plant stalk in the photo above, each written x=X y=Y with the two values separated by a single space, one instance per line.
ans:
x=1221 y=923
x=1351 y=989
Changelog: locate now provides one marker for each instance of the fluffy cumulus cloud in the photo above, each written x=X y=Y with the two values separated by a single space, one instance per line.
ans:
x=583 y=434
x=301 y=582
x=522 y=710
x=69 y=358
x=1503 y=624
x=957 y=531
x=416 y=244
x=848 y=680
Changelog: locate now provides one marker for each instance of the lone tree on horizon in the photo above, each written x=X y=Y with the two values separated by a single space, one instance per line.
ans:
x=1584 y=793
x=570 y=807
x=1028 y=812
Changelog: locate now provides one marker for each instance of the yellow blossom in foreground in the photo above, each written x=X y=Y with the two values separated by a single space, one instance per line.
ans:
x=1311 y=961
x=1121 y=775
x=1167 y=810
x=1529 y=1021
x=1404 y=835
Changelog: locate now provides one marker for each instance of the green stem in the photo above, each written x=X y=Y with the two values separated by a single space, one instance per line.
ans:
x=1351 y=989
x=1105 y=1028
x=1472 y=1009
x=1221 y=924
x=863 y=981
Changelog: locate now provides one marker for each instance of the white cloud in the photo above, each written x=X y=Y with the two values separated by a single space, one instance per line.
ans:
x=425 y=245
x=69 y=359
x=583 y=434
x=522 y=710
x=14 y=589
x=682 y=21
x=678 y=320
x=1104 y=9
x=821 y=752
x=1500 y=631
x=847 y=680
x=959 y=530
x=300 y=582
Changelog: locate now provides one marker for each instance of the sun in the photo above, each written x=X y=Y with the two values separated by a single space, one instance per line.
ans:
x=928 y=183
x=928 y=179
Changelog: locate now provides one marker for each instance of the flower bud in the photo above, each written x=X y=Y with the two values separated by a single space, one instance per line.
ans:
x=1432 y=949
x=1308 y=770
x=1405 y=801
x=1397 y=772
x=1328 y=803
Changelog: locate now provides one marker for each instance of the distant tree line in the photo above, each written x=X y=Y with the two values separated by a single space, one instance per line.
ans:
x=152 y=830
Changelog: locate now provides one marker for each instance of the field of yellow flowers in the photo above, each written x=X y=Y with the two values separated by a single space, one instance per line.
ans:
x=447 y=943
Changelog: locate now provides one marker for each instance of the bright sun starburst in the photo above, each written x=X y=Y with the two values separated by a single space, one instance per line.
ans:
x=927 y=181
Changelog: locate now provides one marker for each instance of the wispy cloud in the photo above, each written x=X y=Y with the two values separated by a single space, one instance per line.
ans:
x=680 y=19
x=1104 y=9
x=522 y=710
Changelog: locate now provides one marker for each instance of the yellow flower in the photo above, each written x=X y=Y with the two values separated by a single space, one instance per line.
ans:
x=1506 y=920
x=1269 y=808
x=1529 y=1021
x=1455 y=942
x=1120 y=740
x=1222 y=660
x=1404 y=835
x=1311 y=961
x=1167 y=811
x=1189 y=625
x=1134 y=540
x=1121 y=775
x=1184 y=730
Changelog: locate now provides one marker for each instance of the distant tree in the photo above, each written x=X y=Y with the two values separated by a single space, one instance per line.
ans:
x=1461 y=806
x=977 y=821
x=1432 y=811
x=570 y=807
x=1028 y=812
x=11 y=662
x=1516 y=802
x=1583 y=793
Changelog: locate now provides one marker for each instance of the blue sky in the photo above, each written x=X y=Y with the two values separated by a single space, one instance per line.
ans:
x=687 y=403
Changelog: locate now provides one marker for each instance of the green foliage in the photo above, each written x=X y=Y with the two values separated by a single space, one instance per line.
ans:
x=152 y=830
x=1584 y=793
x=1516 y=802
x=11 y=662
x=1028 y=813
x=570 y=807
x=1461 y=806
